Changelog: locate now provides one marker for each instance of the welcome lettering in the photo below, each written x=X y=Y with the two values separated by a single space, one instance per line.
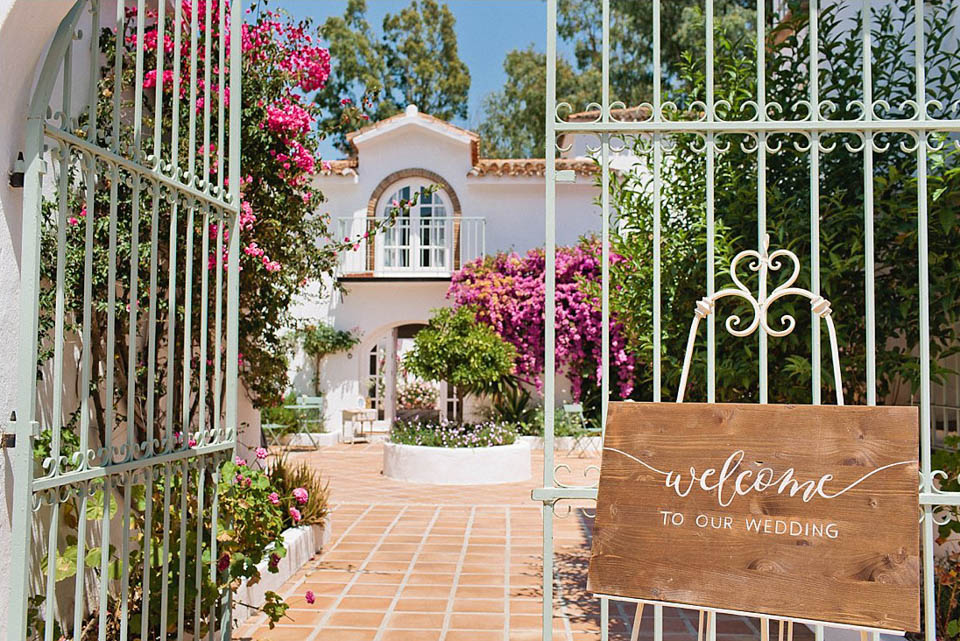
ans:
x=730 y=481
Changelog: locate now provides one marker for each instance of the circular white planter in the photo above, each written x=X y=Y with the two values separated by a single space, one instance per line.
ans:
x=456 y=465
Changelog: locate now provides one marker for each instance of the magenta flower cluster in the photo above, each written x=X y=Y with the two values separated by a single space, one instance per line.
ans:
x=273 y=43
x=507 y=291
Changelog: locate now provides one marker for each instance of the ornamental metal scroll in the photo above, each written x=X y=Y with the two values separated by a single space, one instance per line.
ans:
x=763 y=263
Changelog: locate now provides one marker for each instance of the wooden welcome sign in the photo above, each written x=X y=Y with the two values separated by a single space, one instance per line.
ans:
x=797 y=511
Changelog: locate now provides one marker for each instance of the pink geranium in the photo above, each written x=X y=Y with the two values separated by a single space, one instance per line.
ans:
x=300 y=494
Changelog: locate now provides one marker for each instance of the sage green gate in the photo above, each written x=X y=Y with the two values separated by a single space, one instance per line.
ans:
x=127 y=393
x=923 y=123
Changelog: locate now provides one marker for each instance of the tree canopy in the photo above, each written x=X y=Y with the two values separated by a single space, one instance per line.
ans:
x=414 y=61
x=512 y=119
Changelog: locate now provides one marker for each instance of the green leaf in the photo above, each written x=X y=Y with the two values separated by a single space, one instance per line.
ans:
x=95 y=506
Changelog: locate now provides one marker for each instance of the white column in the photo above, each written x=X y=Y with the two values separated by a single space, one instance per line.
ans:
x=390 y=378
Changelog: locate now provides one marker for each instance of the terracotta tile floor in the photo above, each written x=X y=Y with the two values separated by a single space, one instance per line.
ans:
x=434 y=563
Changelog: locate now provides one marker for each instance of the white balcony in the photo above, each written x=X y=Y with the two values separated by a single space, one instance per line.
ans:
x=410 y=246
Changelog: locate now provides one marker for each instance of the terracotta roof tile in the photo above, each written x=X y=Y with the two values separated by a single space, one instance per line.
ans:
x=519 y=167
x=343 y=167
x=638 y=113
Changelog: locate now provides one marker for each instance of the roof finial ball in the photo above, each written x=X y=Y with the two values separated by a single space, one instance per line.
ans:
x=412 y=110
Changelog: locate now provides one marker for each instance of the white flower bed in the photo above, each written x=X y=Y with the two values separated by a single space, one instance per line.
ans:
x=457 y=465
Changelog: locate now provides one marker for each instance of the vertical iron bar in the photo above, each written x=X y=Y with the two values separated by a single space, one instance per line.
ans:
x=51 y=593
x=605 y=227
x=149 y=449
x=929 y=600
x=204 y=312
x=182 y=569
x=127 y=485
x=198 y=553
x=175 y=108
x=815 y=357
x=711 y=222
x=147 y=548
x=549 y=310
x=158 y=93
x=120 y=21
x=132 y=317
x=207 y=62
x=165 y=551
x=187 y=322
x=78 y=586
x=111 y=364
x=192 y=106
x=138 y=85
x=657 y=168
x=105 y=521
x=868 y=250
x=762 y=178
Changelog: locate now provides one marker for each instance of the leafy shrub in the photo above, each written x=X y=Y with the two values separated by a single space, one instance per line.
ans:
x=252 y=513
x=456 y=348
x=447 y=434
x=947 y=585
x=321 y=340
x=287 y=477
x=564 y=424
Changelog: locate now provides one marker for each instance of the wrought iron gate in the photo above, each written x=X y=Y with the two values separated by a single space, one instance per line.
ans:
x=127 y=399
x=924 y=124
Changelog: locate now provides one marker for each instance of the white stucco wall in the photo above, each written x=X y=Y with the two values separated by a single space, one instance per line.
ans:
x=25 y=30
x=513 y=208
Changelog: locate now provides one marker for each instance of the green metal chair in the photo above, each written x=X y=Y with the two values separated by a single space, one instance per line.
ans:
x=582 y=442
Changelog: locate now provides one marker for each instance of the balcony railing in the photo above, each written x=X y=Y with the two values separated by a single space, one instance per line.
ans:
x=411 y=246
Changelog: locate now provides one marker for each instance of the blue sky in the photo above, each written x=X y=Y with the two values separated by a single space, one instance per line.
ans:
x=486 y=31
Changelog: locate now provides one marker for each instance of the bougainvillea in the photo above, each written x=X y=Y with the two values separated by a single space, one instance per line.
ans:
x=507 y=291
x=285 y=237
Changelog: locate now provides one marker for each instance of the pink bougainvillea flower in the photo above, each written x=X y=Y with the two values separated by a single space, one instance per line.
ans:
x=262 y=453
x=310 y=597
x=274 y=498
x=240 y=461
x=508 y=292
x=301 y=495
x=192 y=442
x=295 y=515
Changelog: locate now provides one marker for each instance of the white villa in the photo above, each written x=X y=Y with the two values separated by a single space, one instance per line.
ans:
x=394 y=280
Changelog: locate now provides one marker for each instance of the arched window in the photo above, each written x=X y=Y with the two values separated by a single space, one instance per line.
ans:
x=420 y=238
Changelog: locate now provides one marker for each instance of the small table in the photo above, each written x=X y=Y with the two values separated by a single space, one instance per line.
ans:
x=356 y=417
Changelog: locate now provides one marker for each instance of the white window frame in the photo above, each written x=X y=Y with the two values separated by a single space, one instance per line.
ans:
x=408 y=245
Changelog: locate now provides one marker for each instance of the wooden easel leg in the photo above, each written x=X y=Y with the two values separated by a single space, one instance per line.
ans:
x=637 y=618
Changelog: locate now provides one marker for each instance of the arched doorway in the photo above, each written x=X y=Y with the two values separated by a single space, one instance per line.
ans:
x=392 y=391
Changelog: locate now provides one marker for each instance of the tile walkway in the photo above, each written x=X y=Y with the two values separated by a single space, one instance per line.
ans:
x=433 y=563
